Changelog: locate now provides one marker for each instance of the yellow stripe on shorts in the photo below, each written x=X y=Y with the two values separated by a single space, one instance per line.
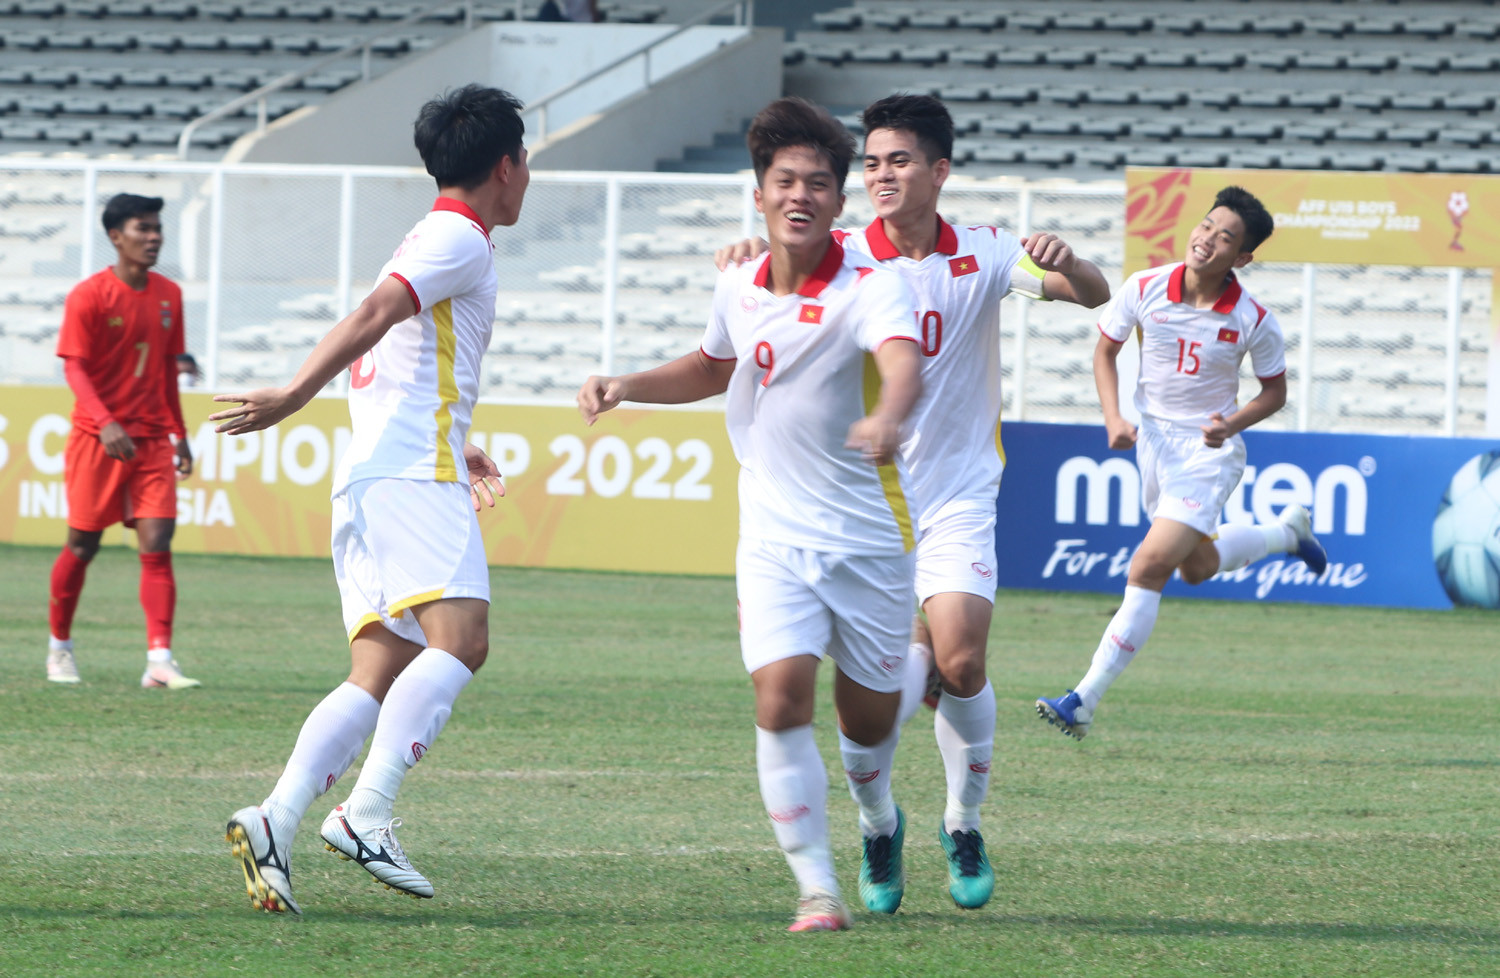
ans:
x=890 y=479
x=398 y=607
x=446 y=469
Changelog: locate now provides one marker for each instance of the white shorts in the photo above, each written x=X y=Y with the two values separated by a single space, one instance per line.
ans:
x=398 y=543
x=1183 y=479
x=957 y=553
x=855 y=609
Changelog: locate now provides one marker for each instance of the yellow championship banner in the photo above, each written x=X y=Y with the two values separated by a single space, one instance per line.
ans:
x=642 y=490
x=1450 y=220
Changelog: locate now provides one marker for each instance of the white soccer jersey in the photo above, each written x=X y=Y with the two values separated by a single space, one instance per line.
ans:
x=804 y=374
x=953 y=444
x=1190 y=357
x=411 y=398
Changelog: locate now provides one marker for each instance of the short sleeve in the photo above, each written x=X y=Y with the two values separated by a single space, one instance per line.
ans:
x=80 y=316
x=1267 y=348
x=179 y=328
x=1122 y=315
x=1021 y=275
x=887 y=308
x=440 y=263
x=717 y=344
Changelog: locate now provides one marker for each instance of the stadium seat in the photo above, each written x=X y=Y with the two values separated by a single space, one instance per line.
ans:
x=1222 y=59
x=841 y=19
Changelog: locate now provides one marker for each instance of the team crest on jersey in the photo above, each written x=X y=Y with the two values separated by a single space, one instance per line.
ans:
x=115 y=321
x=1227 y=335
x=810 y=314
x=1158 y=316
x=748 y=303
x=965 y=265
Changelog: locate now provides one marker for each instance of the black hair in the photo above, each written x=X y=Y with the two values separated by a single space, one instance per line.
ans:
x=921 y=115
x=462 y=134
x=795 y=121
x=188 y=359
x=1258 y=221
x=122 y=207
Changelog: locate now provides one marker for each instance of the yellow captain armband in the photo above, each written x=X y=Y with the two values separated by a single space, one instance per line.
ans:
x=1025 y=286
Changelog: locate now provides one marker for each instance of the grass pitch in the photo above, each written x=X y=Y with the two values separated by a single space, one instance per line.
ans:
x=1270 y=790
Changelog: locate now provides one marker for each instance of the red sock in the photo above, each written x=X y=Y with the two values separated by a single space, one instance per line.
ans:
x=158 y=598
x=67 y=585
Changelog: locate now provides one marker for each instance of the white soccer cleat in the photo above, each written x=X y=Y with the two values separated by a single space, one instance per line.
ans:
x=62 y=667
x=166 y=675
x=821 y=911
x=266 y=863
x=1305 y=546
x=374 y=847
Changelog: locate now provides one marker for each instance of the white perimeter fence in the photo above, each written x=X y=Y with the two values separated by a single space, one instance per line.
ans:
x=609 y=272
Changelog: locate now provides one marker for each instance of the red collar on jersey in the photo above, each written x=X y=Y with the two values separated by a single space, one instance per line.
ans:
x=1227 y=301
x=882 y=249
x=457 y=207
x=818 y=280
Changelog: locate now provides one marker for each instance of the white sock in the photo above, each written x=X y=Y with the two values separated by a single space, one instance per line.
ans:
x=55 y=644
x=868 y=770
x=965 y=731
x=794 y=787
x=1239 y=545
x=413 y=714
x=161 y=655
x=1126 y=635
x=332 y=736
x=914 y=672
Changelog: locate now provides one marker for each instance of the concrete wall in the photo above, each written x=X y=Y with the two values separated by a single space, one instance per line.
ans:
x=371 y=123
x=715 y=95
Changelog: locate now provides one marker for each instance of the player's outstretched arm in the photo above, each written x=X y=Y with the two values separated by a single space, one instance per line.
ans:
x=349 y=340
x=1120 y=432
x=1069 y=278
x=688 y=378
x=740 y=251
x=878 y=434
x=1272 y=398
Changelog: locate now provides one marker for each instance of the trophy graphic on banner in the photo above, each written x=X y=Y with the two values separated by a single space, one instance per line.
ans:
x=1458 y=206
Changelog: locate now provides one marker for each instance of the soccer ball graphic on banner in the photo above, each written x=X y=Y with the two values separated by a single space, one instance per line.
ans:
x=1466 y=534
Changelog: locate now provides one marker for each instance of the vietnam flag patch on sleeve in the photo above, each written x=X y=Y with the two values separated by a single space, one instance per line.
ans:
x=1227 y=335
x=966 y=265
x=810 y=314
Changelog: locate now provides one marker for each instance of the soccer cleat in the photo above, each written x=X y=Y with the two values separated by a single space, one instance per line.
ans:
x=375 y=848
x=1311 y=552
x=62 y=667
x=1067 y=712
x=882 y=876
x=166 y=675
x=970 y=878
x=267 y=865
x=821 y=911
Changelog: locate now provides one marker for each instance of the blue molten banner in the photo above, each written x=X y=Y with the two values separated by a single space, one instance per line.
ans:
x=1070 y=516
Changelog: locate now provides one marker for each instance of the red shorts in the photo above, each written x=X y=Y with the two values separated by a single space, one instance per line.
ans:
x=103 y=491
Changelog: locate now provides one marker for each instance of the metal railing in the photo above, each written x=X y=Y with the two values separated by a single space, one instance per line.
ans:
x=259 y=95
x=744 y=16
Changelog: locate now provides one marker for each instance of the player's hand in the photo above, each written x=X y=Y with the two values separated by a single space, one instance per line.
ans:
x=184 y=459
x=257 y=410
x=1216 y=431
x=740 y=251
x=484 y=477
x=117 y=444
x=1121 y=433
x=876 y=438
x=1051 y=253
x=597 y=395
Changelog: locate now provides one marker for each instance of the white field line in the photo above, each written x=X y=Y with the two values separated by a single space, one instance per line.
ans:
x=434 y=772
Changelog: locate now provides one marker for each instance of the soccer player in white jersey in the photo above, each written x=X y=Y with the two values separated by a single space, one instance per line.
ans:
x=817 y=350
x=1195 y=323
x=959 y=274
x=407 y=551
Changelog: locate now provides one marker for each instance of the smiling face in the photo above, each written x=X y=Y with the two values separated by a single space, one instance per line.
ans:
x=1214 y=245
x=138 y=240
x=902 y=183
x=800 y=197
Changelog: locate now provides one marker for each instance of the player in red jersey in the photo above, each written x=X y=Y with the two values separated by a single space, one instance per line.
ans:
x=120 y=337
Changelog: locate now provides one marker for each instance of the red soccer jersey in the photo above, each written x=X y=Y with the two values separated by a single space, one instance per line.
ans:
x=127 y=342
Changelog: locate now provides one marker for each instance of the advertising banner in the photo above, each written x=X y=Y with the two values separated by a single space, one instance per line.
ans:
x=1451 y=220
x=640 y=491
x=1070 y=515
